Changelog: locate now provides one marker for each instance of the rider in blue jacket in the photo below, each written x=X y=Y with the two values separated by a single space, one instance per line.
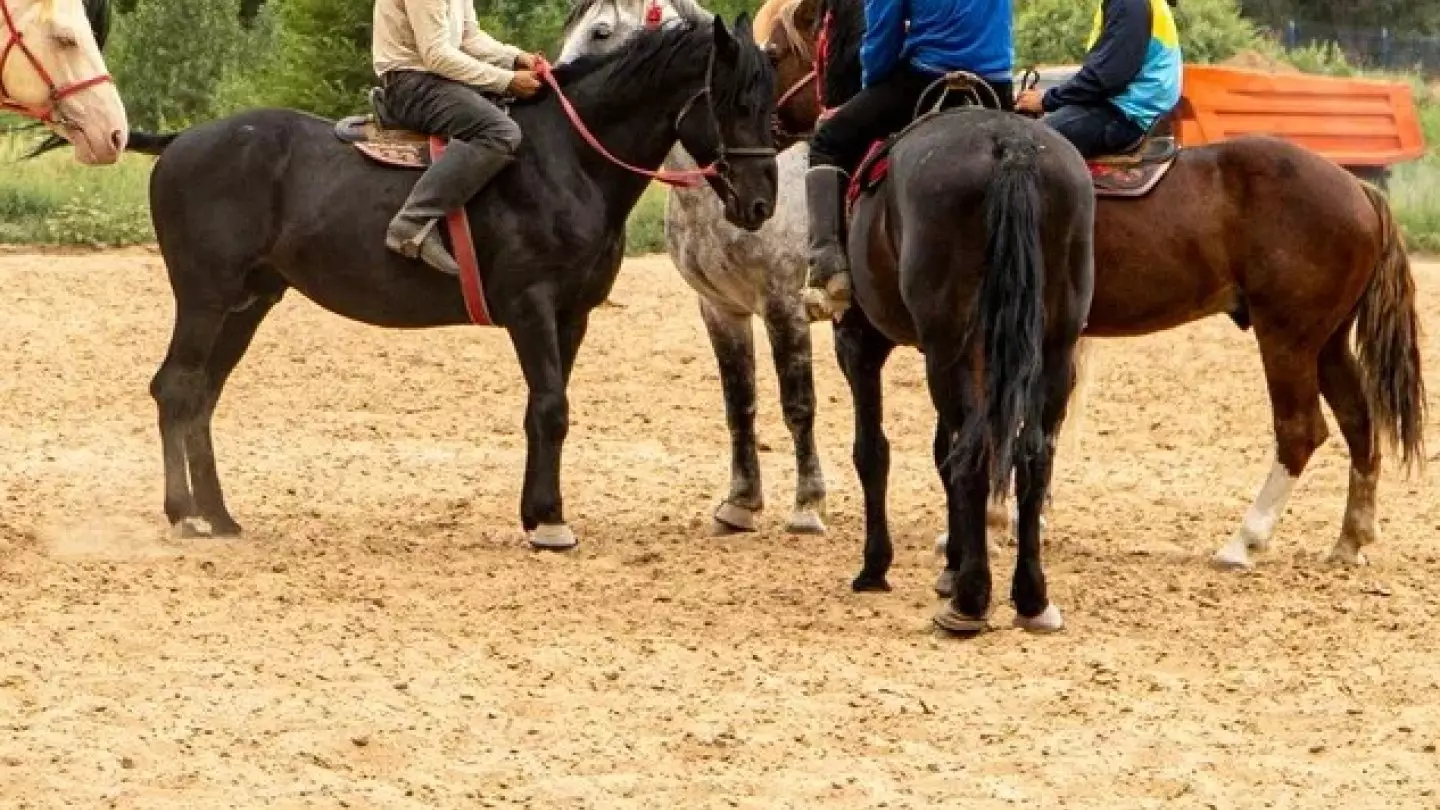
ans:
x=898 y=64
x=1130 y=78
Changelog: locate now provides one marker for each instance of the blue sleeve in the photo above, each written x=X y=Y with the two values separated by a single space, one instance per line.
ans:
x=884 y=39
x=1115 y=60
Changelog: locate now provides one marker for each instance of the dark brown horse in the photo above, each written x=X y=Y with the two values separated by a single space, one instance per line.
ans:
x=1284 y=242
x=249 y=206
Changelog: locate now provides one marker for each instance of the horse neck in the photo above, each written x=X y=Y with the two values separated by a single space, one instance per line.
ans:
x=637 y=126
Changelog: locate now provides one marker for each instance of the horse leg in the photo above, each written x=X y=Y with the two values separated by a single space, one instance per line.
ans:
x=1033 y=609
x=1340 y=382
x=542 y=344
x=940 y=449
x=967 y=496
x=733 y=341
x=1292 y=377
x=179 y=389
x=862 y=352
x=789 y=333
x=230 y=346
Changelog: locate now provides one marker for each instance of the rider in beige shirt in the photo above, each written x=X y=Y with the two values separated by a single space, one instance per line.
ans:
x=437 y=68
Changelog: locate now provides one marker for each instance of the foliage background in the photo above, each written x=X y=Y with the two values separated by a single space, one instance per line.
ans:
x=179 y=62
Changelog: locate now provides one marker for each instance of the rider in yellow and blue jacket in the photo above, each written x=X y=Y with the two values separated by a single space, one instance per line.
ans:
x=1131 y=77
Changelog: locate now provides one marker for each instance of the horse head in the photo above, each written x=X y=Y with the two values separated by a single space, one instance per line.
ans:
x=727 y=124
x=597 y=27
x=51 y=70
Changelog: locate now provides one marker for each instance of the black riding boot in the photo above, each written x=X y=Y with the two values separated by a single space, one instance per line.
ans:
x=445 y=186
x=829 y=268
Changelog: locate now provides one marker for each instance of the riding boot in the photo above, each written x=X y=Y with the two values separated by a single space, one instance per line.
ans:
x=829 y=283
x=448 y=184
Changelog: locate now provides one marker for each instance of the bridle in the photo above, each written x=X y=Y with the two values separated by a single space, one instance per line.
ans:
x=691 y=178
x=46 y=114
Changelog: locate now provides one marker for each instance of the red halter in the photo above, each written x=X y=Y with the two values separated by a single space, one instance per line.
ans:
x=58 y=92
x=654 y=13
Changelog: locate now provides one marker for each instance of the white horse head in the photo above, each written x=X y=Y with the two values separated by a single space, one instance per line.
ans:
x=51 y=70
x=596 y=27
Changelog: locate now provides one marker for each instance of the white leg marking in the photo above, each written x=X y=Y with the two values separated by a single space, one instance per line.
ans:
x=1358 y=530
x=553 y=537
x=1049 y=621
x=1260 y=520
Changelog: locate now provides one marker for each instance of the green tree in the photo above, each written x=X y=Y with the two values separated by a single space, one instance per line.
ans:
x=169 y=56
x=1055 y=31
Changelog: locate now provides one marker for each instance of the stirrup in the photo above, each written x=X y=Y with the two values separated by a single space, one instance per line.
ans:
x=410 y=248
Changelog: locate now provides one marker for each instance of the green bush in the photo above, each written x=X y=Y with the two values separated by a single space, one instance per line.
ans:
x=1049 y=32
x=169 y=56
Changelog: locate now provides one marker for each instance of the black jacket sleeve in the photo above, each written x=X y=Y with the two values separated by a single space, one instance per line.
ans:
x=1118 y=55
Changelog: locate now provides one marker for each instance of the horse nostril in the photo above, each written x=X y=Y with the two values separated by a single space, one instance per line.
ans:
x=760 y=210
x=117 y=139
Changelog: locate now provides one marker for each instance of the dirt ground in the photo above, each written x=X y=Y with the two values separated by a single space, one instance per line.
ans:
x=383 y=639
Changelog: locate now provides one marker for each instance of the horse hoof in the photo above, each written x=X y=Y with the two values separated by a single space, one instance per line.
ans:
x=952 y=622
x=730 y=518
x=1049 y=621
x=225 y=528
x=1234 y=556
x=867 y=583
x=945 y=584
x=188 y=529
x=805 y=521
x=553 y=537
x=1344 y=554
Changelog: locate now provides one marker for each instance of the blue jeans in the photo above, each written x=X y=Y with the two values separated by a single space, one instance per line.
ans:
x=1095 y=131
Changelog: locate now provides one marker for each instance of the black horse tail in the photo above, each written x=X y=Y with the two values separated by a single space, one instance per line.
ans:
x=149 y=143
x=1011 y=316
x=1387 y=335
x=146 y=143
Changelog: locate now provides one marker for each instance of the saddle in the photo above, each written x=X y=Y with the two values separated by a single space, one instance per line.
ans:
x=405 y=149
x=390 y=146
x=1136 y=170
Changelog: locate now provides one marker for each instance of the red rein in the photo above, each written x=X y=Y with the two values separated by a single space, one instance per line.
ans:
x=692 y=178
x=57 y=92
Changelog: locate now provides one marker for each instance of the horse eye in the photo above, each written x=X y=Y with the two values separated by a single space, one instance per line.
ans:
x=773 y=52
x=602 y=31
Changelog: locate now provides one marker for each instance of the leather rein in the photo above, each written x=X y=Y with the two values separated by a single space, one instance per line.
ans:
x=58 y=92
x=685 y=178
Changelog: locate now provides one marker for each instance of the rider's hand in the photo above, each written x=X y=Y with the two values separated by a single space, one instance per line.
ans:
x=528 y=61
x=525 y=84
x=1030 y=102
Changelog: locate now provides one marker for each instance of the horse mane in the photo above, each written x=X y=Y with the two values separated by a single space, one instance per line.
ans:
x=641 y=64
x=785 y=16
x=843 y=76
x=98 y=13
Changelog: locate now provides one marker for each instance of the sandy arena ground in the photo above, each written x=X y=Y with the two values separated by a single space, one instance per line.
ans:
x=383 y=639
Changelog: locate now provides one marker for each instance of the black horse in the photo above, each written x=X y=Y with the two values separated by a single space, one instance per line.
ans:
x=977 y=250
x=251 y=205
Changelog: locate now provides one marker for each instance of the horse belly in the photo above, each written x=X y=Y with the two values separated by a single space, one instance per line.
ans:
x=1160 y=262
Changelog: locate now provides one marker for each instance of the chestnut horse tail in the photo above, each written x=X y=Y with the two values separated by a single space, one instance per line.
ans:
x=1387 y=334
x=1011 y=316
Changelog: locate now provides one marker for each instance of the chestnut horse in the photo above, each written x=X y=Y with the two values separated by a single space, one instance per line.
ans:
x=1280 y=240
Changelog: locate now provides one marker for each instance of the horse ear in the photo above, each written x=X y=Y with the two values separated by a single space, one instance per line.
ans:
x=724 y=39
x=744 y=28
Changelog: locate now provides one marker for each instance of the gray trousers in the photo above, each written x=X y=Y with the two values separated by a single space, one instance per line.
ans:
x=425 y=102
